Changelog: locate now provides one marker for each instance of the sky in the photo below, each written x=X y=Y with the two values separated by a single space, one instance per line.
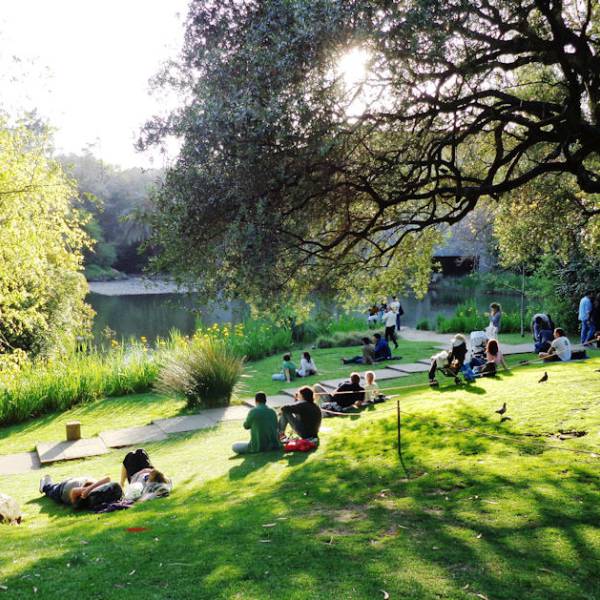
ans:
x=85 y=65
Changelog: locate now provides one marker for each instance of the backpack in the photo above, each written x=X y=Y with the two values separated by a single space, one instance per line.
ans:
x=105 y=494
x=9 y=510
x=300 y=445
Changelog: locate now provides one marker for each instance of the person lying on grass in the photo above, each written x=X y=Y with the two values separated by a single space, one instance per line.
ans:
x=288 y=370
x=303 y=416
x=560 y=348
x=81 y=492
x=347 y=395
x=262 y=423
x=367 y=357
x=144 y=481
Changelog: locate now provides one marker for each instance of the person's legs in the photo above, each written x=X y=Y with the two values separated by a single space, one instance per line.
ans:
x=552 y=358
x=54 y=491
x=278 y=377
x=240 y=447
x=398 y=322
x=432 y=370
x=585 y=331
x=286 y=419
x=356 y=360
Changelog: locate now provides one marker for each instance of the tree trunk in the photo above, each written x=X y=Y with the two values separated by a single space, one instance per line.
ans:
x=523 y=301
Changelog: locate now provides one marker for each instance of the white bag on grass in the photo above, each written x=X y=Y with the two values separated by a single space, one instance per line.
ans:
x=10 y=511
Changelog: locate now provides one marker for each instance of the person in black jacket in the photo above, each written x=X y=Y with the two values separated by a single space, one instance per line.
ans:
x=303 y=416
x=347 y=395
x=454 y=359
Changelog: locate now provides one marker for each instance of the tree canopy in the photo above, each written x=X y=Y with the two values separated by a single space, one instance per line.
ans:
x=293 y=175
x=42 y=289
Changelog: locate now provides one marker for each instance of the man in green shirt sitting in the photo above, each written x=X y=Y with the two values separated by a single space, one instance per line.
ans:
x=262 y=423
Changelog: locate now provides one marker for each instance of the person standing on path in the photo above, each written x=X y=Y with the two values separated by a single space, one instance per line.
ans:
x=585 y=317
x=397 y=308
x=389 y=320
x=262 y=423
x=495 y=319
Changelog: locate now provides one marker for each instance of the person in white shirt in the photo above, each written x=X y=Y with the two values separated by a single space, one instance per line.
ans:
x=389 y=320
x=397 y=308
x=560 y=348
x=307 y=366
x=371 y=388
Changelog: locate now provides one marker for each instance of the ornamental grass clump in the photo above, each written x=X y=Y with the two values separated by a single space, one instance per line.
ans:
x=205 y=370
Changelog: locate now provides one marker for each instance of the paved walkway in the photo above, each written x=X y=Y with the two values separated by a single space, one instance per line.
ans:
x=161 y=429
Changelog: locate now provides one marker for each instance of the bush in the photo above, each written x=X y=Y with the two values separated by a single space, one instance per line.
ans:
x=31 y=388
x=342 y=339
x=468 y=318
x=423 y=325
x=204 y=369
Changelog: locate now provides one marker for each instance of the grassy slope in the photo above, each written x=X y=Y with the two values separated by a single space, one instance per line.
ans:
x=478 y=515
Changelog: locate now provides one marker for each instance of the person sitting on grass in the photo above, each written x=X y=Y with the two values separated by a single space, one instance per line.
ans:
x=262 y=423
x=371 y=389
x=347 y=395
x=542 y=334
x=303 y=416
x=493 y=358
x=307 y=366
x=560 y=348
x=368 y=354
x=288 y=370
x=453 y=360
x=382 y=349
x=77 y=491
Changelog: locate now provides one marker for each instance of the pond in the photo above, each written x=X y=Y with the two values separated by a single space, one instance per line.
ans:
x=131 y=309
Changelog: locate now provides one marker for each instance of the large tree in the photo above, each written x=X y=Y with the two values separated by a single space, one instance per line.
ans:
x=292 y=174
x=42 y=288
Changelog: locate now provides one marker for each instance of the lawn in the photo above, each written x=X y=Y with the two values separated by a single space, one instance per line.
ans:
x=475 y=517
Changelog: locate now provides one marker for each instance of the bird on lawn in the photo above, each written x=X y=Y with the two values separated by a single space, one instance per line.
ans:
x=505 y=419
x=544 y=377
x=502 y=410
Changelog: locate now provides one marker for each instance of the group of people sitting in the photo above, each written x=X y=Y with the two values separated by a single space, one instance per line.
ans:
x=268 y=430
x=372 y=352
x=139 y=481
x=289 y=372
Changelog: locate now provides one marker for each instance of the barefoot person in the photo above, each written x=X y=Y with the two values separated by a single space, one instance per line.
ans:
x=303 y=416
x=262 y=423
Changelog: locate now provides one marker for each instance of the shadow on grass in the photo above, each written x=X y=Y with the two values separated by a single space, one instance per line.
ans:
x=345 y=523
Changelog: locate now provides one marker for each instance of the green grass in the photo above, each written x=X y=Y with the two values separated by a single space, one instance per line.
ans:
x=476 y=515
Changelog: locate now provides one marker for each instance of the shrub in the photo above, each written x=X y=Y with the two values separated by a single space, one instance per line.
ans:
x=342 y=339
x=31 y=388
x=468 y=318
x=204 y=369
x=423 y=325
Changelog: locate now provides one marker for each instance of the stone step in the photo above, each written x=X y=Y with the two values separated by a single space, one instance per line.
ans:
x=23 y=462
x=276 y=401
x=49 y=452
x=410 y=367
x=133 y=436
x=185 y=423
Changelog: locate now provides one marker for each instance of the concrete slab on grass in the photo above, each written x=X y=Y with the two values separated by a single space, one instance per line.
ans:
x=382 y=374
x=226 y=413
x=13 y=464
x=49 y=452
x=184 y=423
x=509 y=349
x=410 y=367
x=118 y=438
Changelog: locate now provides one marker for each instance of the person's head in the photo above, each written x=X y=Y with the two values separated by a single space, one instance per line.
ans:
x=287 y=357
x=539 y=321
x=495 y=307
x=307 y=356
x=306 y=393
x=394 y=297
x=492 y=347
x=458 y=340
x=156 y=476
x=366 y=341
x=377 y=336
x=559 y=332
x=355 y=378
x=369 y=377
x=588 y=293
x=260 y=398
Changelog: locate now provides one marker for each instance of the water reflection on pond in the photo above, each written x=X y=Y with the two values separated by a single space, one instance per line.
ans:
x=153 y=315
